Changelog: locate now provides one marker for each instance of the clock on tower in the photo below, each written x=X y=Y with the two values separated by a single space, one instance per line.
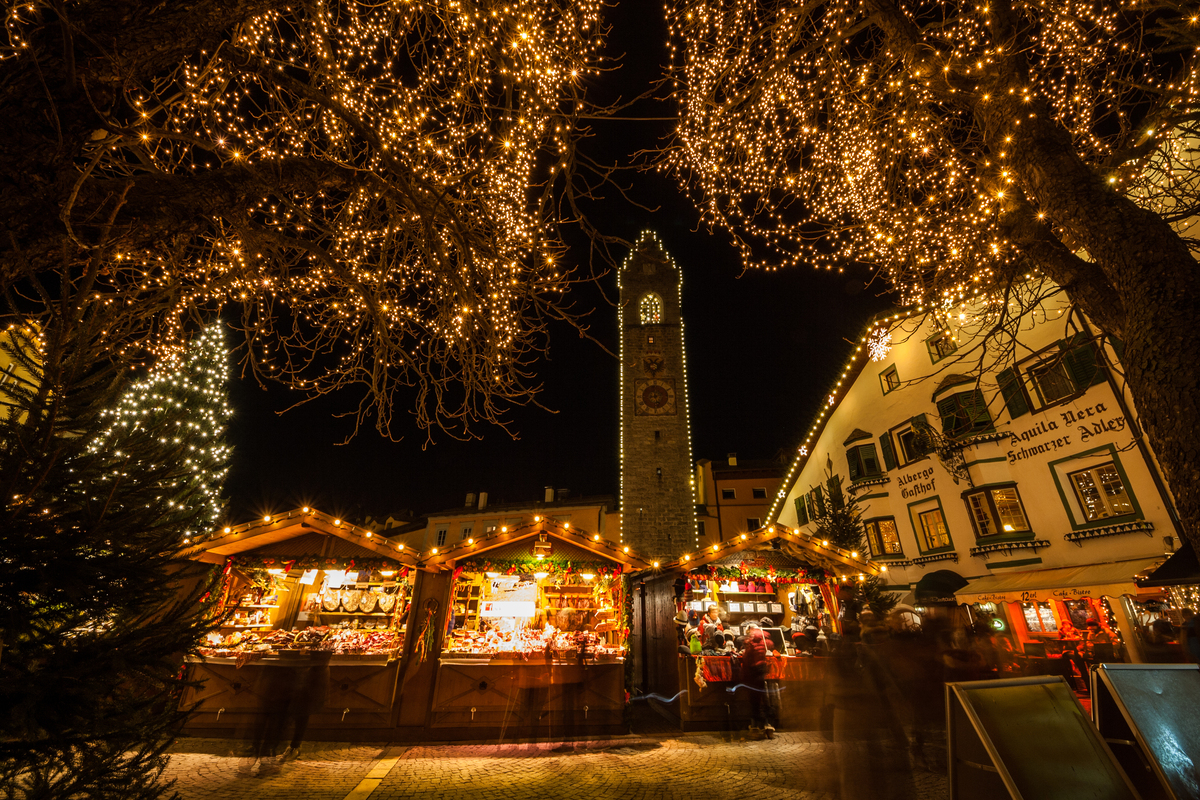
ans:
x=657 y=504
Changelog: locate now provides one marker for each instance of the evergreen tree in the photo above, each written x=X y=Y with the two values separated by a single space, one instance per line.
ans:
x=186 y=397
x=838 y=517
x=97 y=607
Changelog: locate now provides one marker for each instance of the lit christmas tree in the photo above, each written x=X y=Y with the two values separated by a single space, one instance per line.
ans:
x=194 y=382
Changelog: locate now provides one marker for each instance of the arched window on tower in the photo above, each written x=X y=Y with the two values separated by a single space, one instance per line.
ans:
x=651 y=309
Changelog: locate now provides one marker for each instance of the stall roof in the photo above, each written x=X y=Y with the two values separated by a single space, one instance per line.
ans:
x=1063 y=583
x=300 y=522
x=473 y=547
x=838 y=561
x=1180 y=569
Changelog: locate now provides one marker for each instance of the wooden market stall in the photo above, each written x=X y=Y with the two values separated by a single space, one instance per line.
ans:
x=524 y=636
x=762 y=575
x=304 y=590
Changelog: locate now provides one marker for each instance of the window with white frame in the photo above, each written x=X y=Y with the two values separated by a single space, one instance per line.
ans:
x=882 y=537
x=441 y=536
x=997 y=510
x=1101 y=492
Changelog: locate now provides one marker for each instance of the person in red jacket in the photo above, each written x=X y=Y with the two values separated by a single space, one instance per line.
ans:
x=754 y=677
x=709 y=622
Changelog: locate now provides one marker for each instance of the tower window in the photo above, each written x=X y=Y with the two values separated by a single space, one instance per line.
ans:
x=650 y=309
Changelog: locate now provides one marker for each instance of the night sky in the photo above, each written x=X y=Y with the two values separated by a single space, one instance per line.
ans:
x=762 y=348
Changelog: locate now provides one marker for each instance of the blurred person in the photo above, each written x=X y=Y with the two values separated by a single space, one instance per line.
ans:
x=754 y=677
x=711 y=619
x=869 y=746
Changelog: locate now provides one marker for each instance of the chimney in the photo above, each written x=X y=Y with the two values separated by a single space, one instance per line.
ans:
x=482 y=500
x=549 y=494
x=733 y=459
x=470 y=500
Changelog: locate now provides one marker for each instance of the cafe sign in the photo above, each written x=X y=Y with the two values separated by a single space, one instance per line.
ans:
x=1041 y=595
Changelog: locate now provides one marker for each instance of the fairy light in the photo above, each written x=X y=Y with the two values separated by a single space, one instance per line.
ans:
x=898 y=138
x=392 y=168
x=195 y=379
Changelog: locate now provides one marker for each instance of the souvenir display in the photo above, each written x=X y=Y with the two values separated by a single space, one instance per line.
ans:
x=387 y=601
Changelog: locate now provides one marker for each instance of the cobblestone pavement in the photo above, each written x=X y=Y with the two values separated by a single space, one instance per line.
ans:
x=674 y=767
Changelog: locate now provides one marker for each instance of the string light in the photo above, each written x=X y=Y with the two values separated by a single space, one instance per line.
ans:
x=899 y=137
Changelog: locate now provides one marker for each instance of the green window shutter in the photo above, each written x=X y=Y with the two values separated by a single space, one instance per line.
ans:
x=870 y=461
x=852 y=461
x=801 y=511
x=1014 y=396
x=981 y=420
x=1118 y=347
x=952 y=424
x=818 y=502
x=889 y=457
x=923 y=444
x=835 y=492
x=1080 y=362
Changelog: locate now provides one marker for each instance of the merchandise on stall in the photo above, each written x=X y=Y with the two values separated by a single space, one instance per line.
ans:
x=351 y=613
x=519 y=610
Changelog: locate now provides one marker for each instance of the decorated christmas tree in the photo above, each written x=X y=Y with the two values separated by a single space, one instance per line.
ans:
x=838 y=517
x=185 y=401
x=100 y=484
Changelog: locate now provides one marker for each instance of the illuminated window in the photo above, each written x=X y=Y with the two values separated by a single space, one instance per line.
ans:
x=997 y=511
x=1101 y=492
x=933 y=528
x=883 y=537
x=651 y=309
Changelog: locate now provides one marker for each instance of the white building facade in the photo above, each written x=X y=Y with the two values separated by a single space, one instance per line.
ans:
x=1012 y=465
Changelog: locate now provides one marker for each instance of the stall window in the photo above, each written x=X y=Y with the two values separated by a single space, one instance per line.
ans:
x=941 y=345
x=863 y=462
x=883 y=537
x=996 y=511
x=441 y=536
x=1100 y=492
x=933 y=529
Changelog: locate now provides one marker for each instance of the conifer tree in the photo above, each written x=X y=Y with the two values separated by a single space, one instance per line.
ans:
x=97 y=607
x=838 y=517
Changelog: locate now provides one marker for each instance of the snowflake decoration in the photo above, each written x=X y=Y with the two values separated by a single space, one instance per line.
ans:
x=879 y=344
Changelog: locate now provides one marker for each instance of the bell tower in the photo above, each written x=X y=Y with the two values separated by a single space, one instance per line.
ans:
x=658 y=517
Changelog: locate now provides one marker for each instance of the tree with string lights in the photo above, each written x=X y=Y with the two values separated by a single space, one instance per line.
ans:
x=957 y=148
x=101 y=483
x=376 y=187
x=190 y=390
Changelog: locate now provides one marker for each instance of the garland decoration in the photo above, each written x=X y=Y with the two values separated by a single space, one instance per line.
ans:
x=289 y=563
x=528 y=566
x=781 y=575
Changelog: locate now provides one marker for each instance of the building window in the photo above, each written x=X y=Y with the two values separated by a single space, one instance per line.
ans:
x=441 y=537
x=466 y=532
x=759 y=493
x=964 y=414
x=1064 y=370
x=863 y=462
x=883 y=537
x=650 y=309
x=997 y=511
x=1100 y=492
x=933 y=529
x=941 y=345
x=753 y=523
x=889 y=379
x=728 y=494
x=489 y=528
x=700 y=528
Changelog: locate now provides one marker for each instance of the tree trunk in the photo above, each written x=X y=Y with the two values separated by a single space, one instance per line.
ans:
x=1149 y=267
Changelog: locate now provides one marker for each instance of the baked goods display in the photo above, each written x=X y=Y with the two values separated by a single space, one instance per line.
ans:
x=340 y=641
